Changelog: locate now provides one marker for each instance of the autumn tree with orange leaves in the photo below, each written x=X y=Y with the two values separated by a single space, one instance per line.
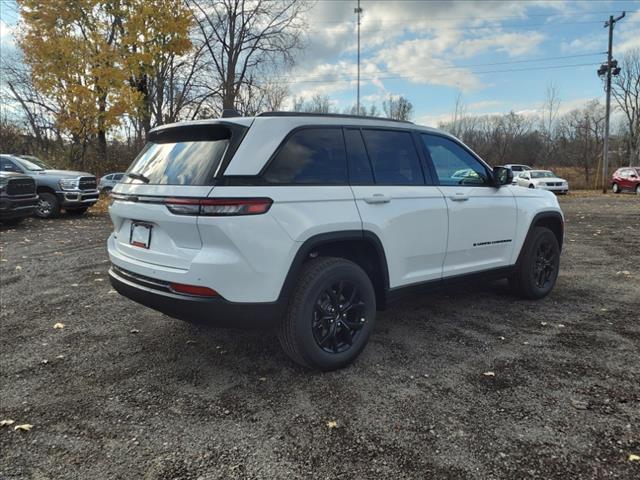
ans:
x=96 y=59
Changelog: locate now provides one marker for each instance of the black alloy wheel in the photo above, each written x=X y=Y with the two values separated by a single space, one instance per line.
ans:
x=545 y=264
x=338 y=317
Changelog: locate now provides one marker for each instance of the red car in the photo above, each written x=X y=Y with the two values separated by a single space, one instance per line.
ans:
x=626 y=178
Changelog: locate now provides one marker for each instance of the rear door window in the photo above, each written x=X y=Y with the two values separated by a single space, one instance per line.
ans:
x=359 y=167
x=186 y=155
x=310 y=156
x=394 y=157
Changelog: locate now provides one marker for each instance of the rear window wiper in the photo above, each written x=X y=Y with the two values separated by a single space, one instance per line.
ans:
x=138 y=176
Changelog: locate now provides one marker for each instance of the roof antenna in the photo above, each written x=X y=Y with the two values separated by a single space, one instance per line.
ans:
x=230 y=112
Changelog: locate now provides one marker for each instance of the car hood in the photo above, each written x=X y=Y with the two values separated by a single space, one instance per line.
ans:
x=63 y=173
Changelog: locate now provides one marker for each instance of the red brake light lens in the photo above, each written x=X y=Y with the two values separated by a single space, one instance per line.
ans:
x=218 y=207
x=193 y=290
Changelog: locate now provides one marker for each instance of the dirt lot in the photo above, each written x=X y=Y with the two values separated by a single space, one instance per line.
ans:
x=124 y=392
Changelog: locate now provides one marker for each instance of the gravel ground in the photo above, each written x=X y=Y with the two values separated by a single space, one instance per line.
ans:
x=124 y=392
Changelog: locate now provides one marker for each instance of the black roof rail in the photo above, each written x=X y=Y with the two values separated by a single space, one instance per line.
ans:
x=337 y=115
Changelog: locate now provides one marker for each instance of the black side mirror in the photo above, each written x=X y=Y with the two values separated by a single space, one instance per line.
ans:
x=502 y=176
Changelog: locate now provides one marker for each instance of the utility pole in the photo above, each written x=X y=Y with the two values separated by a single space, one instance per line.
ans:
x=610 y=68
x=358 y=11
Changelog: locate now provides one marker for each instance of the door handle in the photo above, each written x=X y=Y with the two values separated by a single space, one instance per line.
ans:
x=377 y=198
x=459 y=197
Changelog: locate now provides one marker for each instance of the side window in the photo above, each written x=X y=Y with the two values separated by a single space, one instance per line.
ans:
x=453 y=164
x=7 y=165
x=393 y=157
x=359 y=167
x=313 y=155
x=117 y=177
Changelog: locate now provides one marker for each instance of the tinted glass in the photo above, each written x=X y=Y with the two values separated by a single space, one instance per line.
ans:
x=393 y=157
x=117 y=177
x=359 y=167
x=7 y=165
x=313 y=155
x=36 y=161
x=29 y=165
x=453 y=164
x=187 y=156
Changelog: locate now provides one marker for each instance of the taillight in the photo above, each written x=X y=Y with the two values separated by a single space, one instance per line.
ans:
x=193 y=290
x=218 y=207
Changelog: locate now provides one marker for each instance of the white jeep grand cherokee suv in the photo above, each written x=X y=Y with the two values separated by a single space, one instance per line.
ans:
x=311 y=223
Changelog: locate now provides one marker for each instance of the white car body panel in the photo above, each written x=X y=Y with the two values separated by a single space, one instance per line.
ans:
x=412 y=227
x=482 y=226
x=427 y=232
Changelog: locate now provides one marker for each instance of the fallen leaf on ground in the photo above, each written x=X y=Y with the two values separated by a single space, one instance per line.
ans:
x=560 y=325
x=58 y=326
x=634 y=458
x=24 y=427
x=543 y=323
x=332 y=424
x=263 y=379
x=489 y=374
x=18 y=268
x=579 y=404
x=623 y=272
x=134 y=330
x=4 y=423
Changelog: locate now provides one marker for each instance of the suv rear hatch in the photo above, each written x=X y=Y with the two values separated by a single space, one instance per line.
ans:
x=177 y=165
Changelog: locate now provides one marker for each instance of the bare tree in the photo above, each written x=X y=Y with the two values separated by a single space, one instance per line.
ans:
x=398 y=108
x=626 y=91
x=548 y=118
x=245 y=40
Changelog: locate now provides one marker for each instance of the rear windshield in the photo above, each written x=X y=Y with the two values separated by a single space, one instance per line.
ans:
x=188 y=155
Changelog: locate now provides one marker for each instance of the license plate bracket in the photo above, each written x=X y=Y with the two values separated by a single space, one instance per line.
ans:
x=140 y=235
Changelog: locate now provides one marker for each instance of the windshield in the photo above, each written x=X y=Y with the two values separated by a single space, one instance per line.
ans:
x=542 y=174
x=181 y=156
x=32 y=163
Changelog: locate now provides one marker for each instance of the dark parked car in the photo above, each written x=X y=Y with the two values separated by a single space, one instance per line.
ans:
x=18 y=198
x=626 y=178
x=57 y=189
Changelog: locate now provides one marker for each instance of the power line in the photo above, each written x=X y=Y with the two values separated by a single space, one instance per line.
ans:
x=501 y=17
x=465 y=66
x=413 y=77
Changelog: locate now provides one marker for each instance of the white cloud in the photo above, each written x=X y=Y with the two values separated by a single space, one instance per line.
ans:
x=7 y=33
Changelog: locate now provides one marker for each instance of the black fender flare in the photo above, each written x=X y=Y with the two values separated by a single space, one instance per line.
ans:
x=317 y=241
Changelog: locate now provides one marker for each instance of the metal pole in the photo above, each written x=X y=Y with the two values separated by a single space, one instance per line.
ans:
x=358 y=11
x=605 y=153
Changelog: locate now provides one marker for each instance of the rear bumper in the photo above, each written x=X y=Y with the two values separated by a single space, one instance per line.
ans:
x=210 y=311
x=17 y=207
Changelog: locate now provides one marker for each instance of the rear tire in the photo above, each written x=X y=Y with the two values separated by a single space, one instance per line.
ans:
x=330 y=316
x=532 y=185
x=48 y=206
x=615 y=188
x=638 y=189
x=538 y=266
x=76 y=211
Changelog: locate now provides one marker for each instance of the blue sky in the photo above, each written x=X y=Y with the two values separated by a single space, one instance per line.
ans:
x=433 y=51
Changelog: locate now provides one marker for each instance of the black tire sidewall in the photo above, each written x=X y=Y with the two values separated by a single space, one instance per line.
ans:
x=528 y=286
x=55 y=205
x=309 y=348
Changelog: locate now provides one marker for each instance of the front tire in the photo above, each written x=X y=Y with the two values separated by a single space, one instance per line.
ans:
x=615 y=188
x=331 y=314
x=48 y=206
x=538 y=266
x=638 y=189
